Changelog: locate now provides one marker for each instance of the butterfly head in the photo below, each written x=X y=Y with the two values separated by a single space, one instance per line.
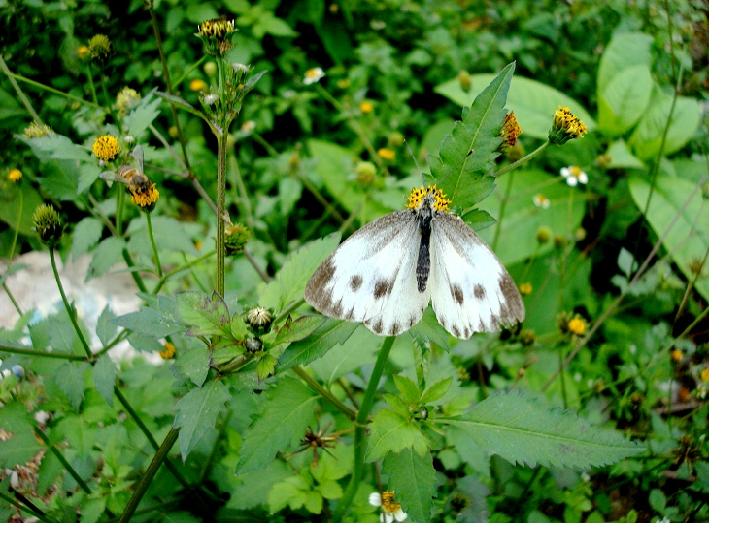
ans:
x=428 y=199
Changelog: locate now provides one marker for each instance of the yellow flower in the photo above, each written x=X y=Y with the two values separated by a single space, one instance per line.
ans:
x=15 y=175
x=168 y=352
x=677 y=355
x=100 y=47
x=37 y=129
x=577 y=326
x=386 y=154
x=144 y=195
x=367 y=107
x=566 y=126
x=511 y=130
x=391 y=510
x=82 y=52
x=106 y=147
x=418 y=194
x=198 y=85
x=705 y=374
x=526 y=288
x=216 y=28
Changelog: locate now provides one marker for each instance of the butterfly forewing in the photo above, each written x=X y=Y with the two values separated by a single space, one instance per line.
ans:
x=371 y=277
x=470 y=290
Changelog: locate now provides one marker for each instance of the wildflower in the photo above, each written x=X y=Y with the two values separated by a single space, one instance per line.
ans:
x=705 y=374
x=566 y=126
x=527 y=337
x=514 y=153
x=540 y=200
x=573 y=175
x=210 y=99
x=198 y=85
x=247 y=127
x=417 y=195
x=464 y=79
x=235 y=239
x=144 y=193
x=37 y=129
x=100 y=47
x=82 y=52
x=47 y=224
x=15 y=175
x=677 y=355
x=391 y=509
x=366 y=107
x=41 y=417
x=127 y=99
x=525 y=288
x=168 y=352
x=577 y=325
x=313 y=75
x=106 y=147
x=544 y=234
x=215 y=34
x=259 y=318
x=365 y=172
x=386 y=154
x=511 y=130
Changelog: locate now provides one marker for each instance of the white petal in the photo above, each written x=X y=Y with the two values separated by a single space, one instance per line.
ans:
x=374 y=499
x=400 y=515
x=564 y=171
x=382 y=517
x=388 y=517
x=583 y=177
x=572 y=181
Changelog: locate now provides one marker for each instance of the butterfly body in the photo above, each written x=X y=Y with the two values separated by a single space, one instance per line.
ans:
x=388 y=271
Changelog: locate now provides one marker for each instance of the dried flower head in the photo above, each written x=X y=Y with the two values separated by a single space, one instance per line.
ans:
x=48 y=224
x=511 y=130
x=106 y=147
x=37 y=129
x=127 y=99
x=235 y=239
x=566 y=126
x=100 y=47
x=259 y=320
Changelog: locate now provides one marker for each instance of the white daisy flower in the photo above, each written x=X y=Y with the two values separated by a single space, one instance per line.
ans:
x=210 y=99
x=540 y=200
x=573 y=175
x=313 y=75
x=391 y=509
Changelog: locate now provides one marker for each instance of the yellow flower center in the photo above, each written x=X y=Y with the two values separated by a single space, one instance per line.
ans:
x=575 y=171
x=106 y=147
x=144 y=195
x=388 y=502
x=418 y=194
x=168 y=352
x=197 y=85
x=366 y=107
x=15 y=175
x=386 y=154
x=216 y=27
x=577 y=325
x=526 y=288
x=312 y=73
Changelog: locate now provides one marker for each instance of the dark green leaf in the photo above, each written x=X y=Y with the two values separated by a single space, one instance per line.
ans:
x=22 y=445
x=390 y=432
x=69 y=377
x=86 y=233
x=330 y=333
x=298 y=329
x=197 y=413
x=104 y=374
x=206 y=316
x=194 y=362
x=412 y=477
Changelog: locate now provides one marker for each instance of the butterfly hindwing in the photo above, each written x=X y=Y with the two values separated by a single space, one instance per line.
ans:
x=470 y=289
x=371 y=277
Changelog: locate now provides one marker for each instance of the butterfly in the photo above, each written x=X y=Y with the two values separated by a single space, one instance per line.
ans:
x=387 y=272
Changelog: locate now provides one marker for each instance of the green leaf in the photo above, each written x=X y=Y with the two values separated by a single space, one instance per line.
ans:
x=107 y=254
x=106 y=327
x=86 y=233
x=104 y=374
x=624 y=100
x=688 y=238
x=390 y=432
x=298 y=329
x=139 y=119
x=17 y=207
x=625 y=50
x=283 y=419
x=412 y=477
x=360 y=349
x=437 y=390
x=647 y=137
x=69 y=377
x=197 y=413
x=330 y=333
x=265 y=366
x=56 y=147
x=194 y=362
x=524 y=429
x=149 y=321
x=533 y=102
x=22 y=445
x=206 y=316
x=467 y=156
x=252 y=489
x=410 y=393
x=620 y=156
x=292 y=277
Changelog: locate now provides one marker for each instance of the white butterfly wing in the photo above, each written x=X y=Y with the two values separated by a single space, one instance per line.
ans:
x=371 y=277
x=470 y=289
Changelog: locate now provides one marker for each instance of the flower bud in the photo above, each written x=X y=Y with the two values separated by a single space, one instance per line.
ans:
x=37 y=129
x=100 y=47
x=566 y=126
x=464 y=79
x=259 y=319
x=47 y=224
x=235 y=239
x=365 y=172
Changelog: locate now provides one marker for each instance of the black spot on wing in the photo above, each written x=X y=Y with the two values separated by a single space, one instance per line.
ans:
x=317 y=293
x=457 y=294
x=512 y=310
x=378 y=327
x=394 y=329
x=479 y=291
x=382 y=288
x=356 y=282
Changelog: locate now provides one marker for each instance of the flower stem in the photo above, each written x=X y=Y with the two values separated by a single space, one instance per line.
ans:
x=12 y=299
x=71 y=312
x=41 y=434
x=149 y=474
x=120 y=208
x=155 y=254
x=27 y=351
x=523 y=160
x=179 y=269
x=326 y=394
x=360 y=424
x=220 y=206
x=25 y=507
x=91 y=84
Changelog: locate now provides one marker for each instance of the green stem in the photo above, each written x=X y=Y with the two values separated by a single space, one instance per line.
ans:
x=139 y=282
x=31 y=509
x=120 y=209
x=220 y=207
x=361 y=422
x=41 y=434
x=91 y=84
x=23 y=98
x=502 y=206
x=180 y=268
x=523 y=160
x=18 y=218
x=12 y=298
x=155 y=254
x=71 y=312
x=322 y=391
x=26 y=351
x=190 y=69
x=149 y=474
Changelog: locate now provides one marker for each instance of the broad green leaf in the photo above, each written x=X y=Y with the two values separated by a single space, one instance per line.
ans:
x=17 y=207
x=298 y=329
x=390 y=432
x=206 y=316
x=360 y=349
x=688 y=238
x=69 y=377
x=620 y=156
x=437 y=390
x=139 y=119
x=626 y=49
x=104 y=374
x=149 y=321
x=646 y=139
x=624 y=100
x=294 y=492
x=194 y=362
x=252 y=489
x=107 y=254
x=330 y=333
x=197 y=413
x=409 y=392
x=281 y=424
x=292 y=277
x=533 y=102
x=56 y=147
x=170 y=235
x=524 y=429
x=467 y=156
x=22 y=444
x=86 y=233
x=412 y=477
x=106 y=327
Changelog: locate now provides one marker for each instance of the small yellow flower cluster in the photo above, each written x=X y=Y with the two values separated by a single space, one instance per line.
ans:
x=577 y=325
x=144 y=196
x=566 y=126
x=511 y=130
x=168 y=352
x=386 y=154
x=100 y=47
x=418 y=194
x=677 y=355
x=198 y=85
x=525 y=288
x=216 y=28
x=15 y=175
x=106 y=147
x=367 y=107
x=37 y=129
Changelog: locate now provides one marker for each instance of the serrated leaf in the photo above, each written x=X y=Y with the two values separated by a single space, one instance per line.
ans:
x=197 y=413
x=390 y=432
x=265 y=366
x=69 y=377
x=194 y=363
x=86 y=233
x=412 y=477
x=328 y=334
x=524 y=429
x=106 y=327
x=359 y=350
x=22 y=445
x=437 y=390
x=407 y=388
x=149 y=321
x=297 y=330
x=104 y=374
x=281 y=424
x=206 y=316
x=143 y=115
x=467 y=156
x=292 y=277
x=55 y=147
x=107 y=254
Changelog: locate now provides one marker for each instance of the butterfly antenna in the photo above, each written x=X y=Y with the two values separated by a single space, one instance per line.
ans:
x=413 y=157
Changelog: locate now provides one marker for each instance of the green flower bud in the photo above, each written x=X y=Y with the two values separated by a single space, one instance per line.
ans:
x=48 y=224
x=365 y=172
x=236 y=238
